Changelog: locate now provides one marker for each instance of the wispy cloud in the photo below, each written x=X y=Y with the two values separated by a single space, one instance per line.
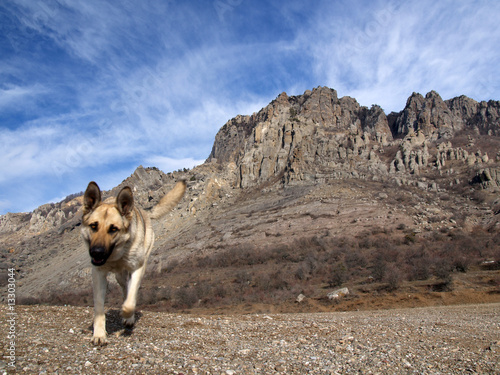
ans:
x=18 y=96
x=401 y=47
x=86 y=29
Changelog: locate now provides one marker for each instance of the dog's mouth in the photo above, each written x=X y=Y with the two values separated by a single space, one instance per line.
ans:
x=97 y=262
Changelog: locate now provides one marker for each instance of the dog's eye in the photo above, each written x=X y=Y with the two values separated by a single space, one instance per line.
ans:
x=113 y=229
x=93 y=226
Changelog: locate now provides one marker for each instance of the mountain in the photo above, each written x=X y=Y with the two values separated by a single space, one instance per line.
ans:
x=311 y=192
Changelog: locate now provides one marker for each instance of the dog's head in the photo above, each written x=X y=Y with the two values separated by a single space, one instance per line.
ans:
x=105 y=225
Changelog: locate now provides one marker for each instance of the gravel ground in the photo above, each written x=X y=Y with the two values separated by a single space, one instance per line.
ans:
x=443 y=340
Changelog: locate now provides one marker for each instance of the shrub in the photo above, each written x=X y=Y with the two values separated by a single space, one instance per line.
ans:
x=409 y=239
x=442 y=270
x=185 y=297
x=338 y=275
x=163 y=293
x=27 y=300
x=461 y=263
x=419 y=263
x=220 y=291
x=401 y=226
x=171 y=265
x=263 y=282
x=365 y=243
x=302 y=272
x=379 y=269
x=243 y=278
x=420 y=268
x=148 y=296
x=393 y=277
x=278 y=281
x=355 y=259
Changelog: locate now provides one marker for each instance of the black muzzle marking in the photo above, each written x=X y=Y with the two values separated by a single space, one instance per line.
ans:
x=99 y=255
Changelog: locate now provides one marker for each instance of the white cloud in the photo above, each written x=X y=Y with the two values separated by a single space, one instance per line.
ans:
x=181 y=104
x=83 y=28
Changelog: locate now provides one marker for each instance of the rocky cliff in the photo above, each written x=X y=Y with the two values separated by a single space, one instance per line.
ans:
x=317 y=136
x=437 y=119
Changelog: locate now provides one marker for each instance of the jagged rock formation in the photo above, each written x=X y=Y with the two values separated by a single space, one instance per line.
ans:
x=304 y=138
x=442 y=119
x=488 y=177
x=316 y=137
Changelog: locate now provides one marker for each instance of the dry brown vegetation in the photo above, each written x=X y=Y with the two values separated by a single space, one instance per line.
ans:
x=375 y=261
x=380 y=267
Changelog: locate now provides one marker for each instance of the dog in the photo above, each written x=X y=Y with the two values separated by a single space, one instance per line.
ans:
x=119 y=237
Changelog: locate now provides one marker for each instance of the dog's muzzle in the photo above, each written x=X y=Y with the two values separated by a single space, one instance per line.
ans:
x=99 y=255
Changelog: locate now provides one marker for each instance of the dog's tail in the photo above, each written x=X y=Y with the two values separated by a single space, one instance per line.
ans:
x=169 y=201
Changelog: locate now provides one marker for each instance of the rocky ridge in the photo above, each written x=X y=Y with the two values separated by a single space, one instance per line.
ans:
x=316 y=137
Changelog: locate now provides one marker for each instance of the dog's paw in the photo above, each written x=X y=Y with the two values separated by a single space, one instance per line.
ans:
x=128 y=315
x=129 y=322
x=99 y=341
x=127 y=311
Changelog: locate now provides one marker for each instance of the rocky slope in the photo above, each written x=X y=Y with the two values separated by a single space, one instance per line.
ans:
x=306 y=166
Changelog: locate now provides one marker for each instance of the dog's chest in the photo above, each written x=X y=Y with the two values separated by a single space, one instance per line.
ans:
x=126 y=262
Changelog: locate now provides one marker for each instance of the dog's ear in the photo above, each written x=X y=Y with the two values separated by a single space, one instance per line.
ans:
x=125 y=201
x=92 y=197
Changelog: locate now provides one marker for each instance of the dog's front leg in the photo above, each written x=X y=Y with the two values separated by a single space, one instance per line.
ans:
x=128 y=308
x=122 y=278
x=99 y=284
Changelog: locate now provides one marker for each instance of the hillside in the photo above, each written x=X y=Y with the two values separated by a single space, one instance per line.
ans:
x=312 y=193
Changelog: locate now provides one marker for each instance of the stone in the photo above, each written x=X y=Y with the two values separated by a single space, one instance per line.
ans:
x=338 y=293
x=300 y=298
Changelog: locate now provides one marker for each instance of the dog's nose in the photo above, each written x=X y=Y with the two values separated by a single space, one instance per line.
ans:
x=98 y=255
x=97 y=252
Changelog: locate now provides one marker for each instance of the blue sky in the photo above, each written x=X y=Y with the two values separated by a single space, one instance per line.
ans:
x=91 y=89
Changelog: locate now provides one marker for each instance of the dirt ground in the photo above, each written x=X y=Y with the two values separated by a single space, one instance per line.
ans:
x=462 y=339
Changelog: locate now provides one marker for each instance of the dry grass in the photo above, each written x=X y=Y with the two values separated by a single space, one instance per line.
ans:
x=378 y=266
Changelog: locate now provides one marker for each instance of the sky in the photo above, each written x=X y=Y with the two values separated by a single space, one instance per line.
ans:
x=91 y=89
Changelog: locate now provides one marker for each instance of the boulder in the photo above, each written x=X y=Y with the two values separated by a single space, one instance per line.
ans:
x=300 y=298
x=336 y=294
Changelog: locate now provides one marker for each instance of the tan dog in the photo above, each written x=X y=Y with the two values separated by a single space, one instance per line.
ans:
x=120 y=237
